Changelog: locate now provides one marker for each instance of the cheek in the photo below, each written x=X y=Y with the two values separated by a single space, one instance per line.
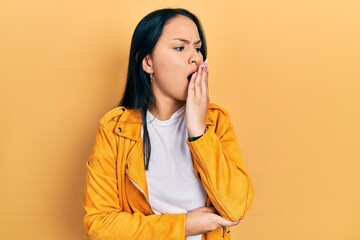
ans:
x=167 y=66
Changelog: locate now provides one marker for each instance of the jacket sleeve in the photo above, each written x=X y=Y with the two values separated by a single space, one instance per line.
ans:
x=104 y=216
x=217 y=159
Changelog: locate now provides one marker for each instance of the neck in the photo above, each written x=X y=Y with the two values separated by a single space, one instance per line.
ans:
x=165 y=109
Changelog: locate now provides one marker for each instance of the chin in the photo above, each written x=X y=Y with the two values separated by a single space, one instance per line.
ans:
x=183 y=98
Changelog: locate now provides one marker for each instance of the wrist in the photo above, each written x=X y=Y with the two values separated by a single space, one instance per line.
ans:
x=197 y=133
x=192 y=139
x=196 y=137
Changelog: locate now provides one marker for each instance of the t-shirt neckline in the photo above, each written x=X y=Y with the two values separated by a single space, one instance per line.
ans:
x=173 y=118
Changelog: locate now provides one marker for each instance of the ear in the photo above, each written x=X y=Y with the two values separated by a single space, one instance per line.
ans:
x=147 y=64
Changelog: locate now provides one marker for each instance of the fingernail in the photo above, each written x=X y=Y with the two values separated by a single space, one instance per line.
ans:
x=206 y=63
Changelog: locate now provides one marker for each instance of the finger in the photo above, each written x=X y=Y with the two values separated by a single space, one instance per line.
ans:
x=204 y=80
x=207 y=77
x=191 y=88
x=198 y=80
x=200 y=84
x=226 y=223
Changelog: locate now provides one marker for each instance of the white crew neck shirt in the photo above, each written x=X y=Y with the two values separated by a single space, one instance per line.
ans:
x=173 y=187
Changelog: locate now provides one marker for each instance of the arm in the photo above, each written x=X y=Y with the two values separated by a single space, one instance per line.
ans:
x=217 y=158
x=105 y=217
x=216 y=154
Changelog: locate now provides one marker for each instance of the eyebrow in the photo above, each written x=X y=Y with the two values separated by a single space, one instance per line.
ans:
x=186 y=41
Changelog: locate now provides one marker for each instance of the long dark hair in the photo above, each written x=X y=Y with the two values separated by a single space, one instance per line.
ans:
x=138 y=93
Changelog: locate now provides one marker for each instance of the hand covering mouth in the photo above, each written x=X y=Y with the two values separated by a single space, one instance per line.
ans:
x=190 y=75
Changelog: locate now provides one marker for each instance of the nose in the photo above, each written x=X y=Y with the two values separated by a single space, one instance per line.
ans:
x=195 y=57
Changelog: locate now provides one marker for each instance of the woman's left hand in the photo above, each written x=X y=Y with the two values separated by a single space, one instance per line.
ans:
x=197 y=101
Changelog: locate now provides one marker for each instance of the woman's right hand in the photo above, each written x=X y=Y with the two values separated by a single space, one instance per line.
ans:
x=205 y=219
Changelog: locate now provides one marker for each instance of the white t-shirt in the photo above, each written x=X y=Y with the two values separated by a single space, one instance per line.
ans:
x=173 y=187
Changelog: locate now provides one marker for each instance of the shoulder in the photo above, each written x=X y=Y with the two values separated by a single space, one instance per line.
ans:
x=120 y=114
x=216 y=112
x=124 y=115
x=112 y=116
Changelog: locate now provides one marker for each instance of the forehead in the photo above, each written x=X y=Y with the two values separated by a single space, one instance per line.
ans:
x=180 y=27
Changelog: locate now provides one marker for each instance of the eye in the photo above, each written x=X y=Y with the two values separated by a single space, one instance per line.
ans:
x=198 y=49
x=179 y=49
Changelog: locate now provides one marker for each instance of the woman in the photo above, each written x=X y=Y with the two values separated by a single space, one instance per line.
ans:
x=166 y=163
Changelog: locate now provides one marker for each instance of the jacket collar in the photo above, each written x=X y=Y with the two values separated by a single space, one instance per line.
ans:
x=129 y=124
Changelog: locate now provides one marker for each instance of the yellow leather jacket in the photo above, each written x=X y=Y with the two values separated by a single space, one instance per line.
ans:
x=116 y=200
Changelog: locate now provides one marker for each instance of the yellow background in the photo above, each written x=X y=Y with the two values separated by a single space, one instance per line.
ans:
x=288 y=72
